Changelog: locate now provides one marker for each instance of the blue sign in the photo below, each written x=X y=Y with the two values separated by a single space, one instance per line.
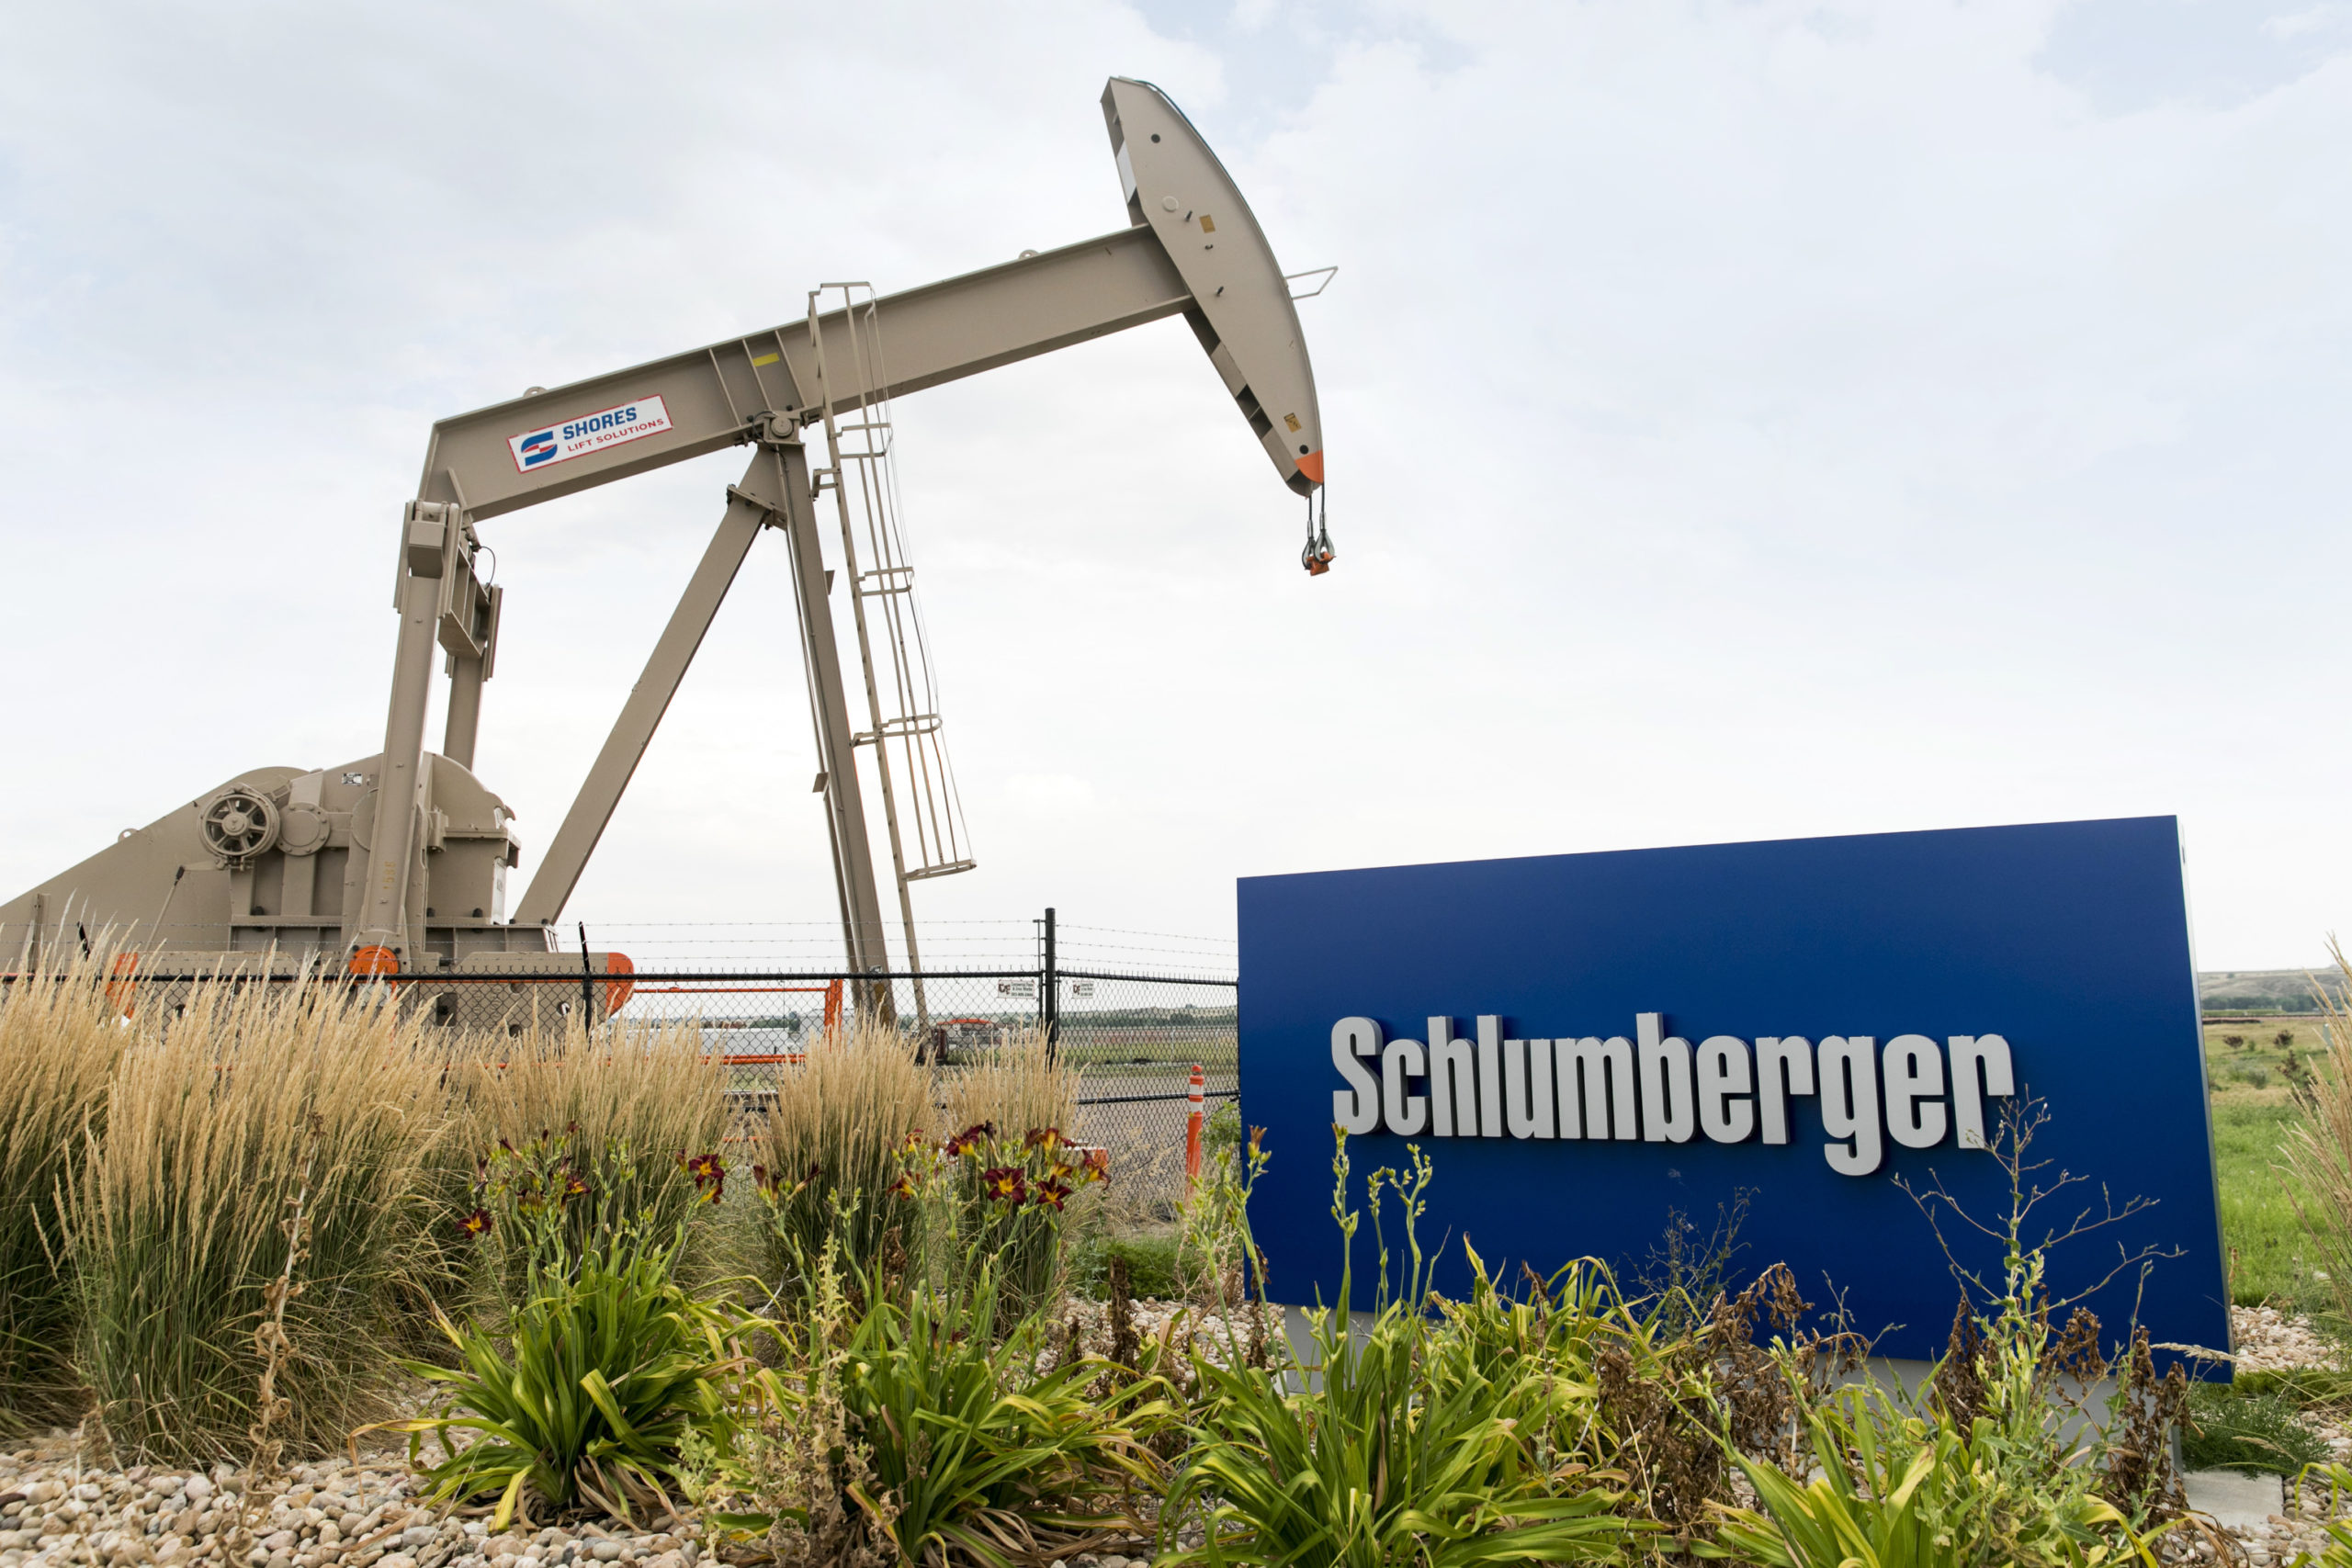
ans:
x=1587 y=1044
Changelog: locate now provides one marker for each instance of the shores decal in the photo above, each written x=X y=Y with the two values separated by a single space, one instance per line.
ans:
x=1658 y=1088
x=589 y=432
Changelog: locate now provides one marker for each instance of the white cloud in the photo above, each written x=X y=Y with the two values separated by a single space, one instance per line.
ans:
x=1745 y=421
x=1049 y=798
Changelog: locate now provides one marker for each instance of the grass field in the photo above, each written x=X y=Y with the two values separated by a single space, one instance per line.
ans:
x=2247 y=1068
x=2258 y=1223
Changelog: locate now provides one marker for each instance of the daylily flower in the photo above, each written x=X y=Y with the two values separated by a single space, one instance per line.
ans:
x=1045 y=1138
x=914 y=1141
x=703 y=1168
x=476 y=1224
x=968 y=1141
x=903 y=1187
x=767 y=1183
x=1053 y=1194
x=1005 y=1181
x=575 y=1186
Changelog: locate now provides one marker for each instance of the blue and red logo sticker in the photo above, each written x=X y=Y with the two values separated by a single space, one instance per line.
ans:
x=584 y=433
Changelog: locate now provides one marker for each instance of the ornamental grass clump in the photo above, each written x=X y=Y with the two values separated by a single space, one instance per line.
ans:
x=628 y=1103
x=59 y=1035
x=176 y=1219
x=829 y=1148
x=1022 y=1083
x=993 y=1209
x=2319 y=1153
x=539 y=1211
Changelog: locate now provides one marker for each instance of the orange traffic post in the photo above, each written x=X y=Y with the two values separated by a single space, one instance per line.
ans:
x=1192 y=1127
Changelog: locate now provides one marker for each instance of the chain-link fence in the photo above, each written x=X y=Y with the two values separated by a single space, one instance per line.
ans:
x=1135 y=1036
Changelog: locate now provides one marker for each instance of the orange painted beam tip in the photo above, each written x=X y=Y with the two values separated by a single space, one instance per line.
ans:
x=1311 y=466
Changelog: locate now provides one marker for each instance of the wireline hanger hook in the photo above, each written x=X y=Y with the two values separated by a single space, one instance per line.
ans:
x=1317 y=555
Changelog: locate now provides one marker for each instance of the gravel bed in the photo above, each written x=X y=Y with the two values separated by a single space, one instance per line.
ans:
x=55 y=1510
x=2269 y=1340
x=58 y=1511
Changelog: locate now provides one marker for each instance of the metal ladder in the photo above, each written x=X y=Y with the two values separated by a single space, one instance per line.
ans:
x=919 y=803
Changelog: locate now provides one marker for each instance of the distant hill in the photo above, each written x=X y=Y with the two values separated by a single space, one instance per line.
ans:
x=2265 y=991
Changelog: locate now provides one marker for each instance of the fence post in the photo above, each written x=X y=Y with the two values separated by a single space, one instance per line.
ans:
x=1051 y=1005
x=587 y=985
x=1192 y=1127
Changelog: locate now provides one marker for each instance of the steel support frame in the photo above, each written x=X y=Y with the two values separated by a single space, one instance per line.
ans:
x=776 y=490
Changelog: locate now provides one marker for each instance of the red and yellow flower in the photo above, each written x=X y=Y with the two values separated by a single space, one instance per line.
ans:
x=1007 y=1182
x=709 y=1174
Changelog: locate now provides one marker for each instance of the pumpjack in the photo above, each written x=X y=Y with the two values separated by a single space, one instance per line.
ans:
x=397 y=863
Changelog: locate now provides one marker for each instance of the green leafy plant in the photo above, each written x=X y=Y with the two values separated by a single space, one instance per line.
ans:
x=589 y=1395
x=1150 y=1261
x=1892 y=1491
x=1213 y=1252
x=1994 y=1462
x=920 y=1431
x=628 y=1097
x=2337 y=1552
x=795 y=1471
x=1221 y=1134
x=1401 y=1444
x=1002 y=1200
x=544 y=1208
x=2229 y=1429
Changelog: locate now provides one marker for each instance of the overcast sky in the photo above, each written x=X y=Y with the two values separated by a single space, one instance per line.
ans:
x=1745 y=420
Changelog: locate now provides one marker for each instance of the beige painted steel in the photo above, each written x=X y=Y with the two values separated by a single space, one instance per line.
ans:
x=1225 y=279
x=162 y=890
x=1240 y=306
x=428 y=534
x=438 y=841
x=863 y=465
x=715 y=394
x=861 y=933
